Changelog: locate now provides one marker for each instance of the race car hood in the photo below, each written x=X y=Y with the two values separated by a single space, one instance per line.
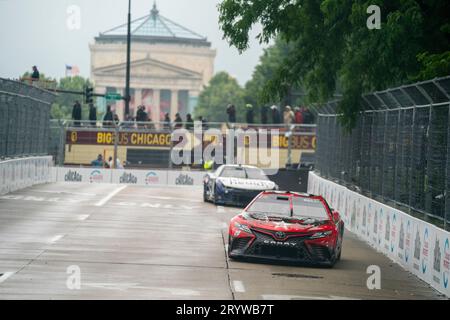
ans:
x=247 y=184
x=290 y=226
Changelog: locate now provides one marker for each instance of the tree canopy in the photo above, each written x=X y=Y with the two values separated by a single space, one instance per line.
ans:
x=221 y=91
x=334 y=47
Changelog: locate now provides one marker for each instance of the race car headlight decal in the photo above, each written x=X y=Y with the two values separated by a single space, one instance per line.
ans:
x=319 y=235
x=243 y=227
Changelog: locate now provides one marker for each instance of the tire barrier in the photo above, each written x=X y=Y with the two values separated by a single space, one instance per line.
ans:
x=419 y=247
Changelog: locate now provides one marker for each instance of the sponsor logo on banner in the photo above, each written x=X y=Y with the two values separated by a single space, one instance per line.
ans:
x=437 y=257
x=387 y=232
x=408 y=240
x=446 y=263
x=128 y=178
x=375 y=227
x=401 y=240
x=96 y=176
x=425 y=250
x=393 y=231
x=73 y=176
x=151 y=178
x=417 y=248
x=380 y=227
x=185 y=180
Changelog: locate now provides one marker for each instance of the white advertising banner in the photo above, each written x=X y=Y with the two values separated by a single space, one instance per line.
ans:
x=131 y=177
x=17 y=174
x=419 y=247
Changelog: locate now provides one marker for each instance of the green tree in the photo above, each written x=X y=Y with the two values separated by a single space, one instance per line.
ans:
x=271 y=60
x=334 y=47
x=62 y=107
x=221 y=91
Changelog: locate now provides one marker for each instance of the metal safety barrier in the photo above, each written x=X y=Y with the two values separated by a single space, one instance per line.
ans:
x=399 y=150
x=24 y=119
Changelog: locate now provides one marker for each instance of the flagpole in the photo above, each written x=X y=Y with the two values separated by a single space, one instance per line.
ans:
x=127 y=80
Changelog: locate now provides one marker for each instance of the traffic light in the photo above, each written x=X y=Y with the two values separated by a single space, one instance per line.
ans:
x=89 y=95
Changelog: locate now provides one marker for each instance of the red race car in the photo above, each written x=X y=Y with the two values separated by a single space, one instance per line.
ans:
x=287 y=226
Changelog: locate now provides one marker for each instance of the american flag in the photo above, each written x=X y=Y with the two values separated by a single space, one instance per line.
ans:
x=72 y=71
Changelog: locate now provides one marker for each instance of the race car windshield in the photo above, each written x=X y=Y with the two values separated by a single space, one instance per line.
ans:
x=256 y=174
x=233 y=172
x=272 y=205
x=309 y=208
x=243 y=173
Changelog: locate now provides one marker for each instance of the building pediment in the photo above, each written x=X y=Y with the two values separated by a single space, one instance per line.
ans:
x=147 y=67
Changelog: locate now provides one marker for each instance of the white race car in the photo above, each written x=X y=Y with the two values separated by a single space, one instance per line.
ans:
x=235 y=184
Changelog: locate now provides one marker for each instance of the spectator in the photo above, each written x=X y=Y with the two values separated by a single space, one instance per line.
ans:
x=308 y=117
x=92 y=114
x=231 y=111
x=35 y=75
x=76 y=113
x=189 y=122
x=298 y=116
x=116 y=120
x=111 y=163
x=276 y=117
x=288 y=115
x=249 y=113
x=141 y=115
x=264 y=111
x=108 y=118
x=205 y=125
x=166 y=122
x=178 y=121
x=98 y=162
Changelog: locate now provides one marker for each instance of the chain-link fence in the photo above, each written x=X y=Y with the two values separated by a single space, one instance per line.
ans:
x=24 y=119
x=399 y=150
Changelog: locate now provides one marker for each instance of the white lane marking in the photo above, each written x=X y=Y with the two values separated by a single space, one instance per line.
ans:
x=83 y=216
x=126 y=286
x=66 y=192
x=109 y=196
x=238 y=286
x=292 y=297
x=5 y=276
x=226 y=248
x=56 y=238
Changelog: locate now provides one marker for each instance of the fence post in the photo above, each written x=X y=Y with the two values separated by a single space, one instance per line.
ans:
x=447 y=175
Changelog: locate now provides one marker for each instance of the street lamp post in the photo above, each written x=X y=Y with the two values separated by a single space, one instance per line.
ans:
x=127 y=80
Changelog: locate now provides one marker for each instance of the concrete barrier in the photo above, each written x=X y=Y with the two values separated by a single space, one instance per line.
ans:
x=17 y=174
x=419 y=247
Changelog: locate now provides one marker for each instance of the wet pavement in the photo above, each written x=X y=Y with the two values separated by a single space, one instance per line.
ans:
x=130 y=242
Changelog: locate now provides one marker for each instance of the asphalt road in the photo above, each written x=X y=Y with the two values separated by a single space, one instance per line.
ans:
x=160 y=243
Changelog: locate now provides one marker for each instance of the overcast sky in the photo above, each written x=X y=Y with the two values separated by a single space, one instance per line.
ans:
x=35 y=32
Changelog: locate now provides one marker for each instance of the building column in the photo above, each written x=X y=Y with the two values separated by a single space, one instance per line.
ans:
x=156 y=107
x=120 y=105
x=137 y=99
x=192 y=100
x=173 y=104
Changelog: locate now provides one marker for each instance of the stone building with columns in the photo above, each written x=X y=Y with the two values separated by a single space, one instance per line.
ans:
x=170 y=64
